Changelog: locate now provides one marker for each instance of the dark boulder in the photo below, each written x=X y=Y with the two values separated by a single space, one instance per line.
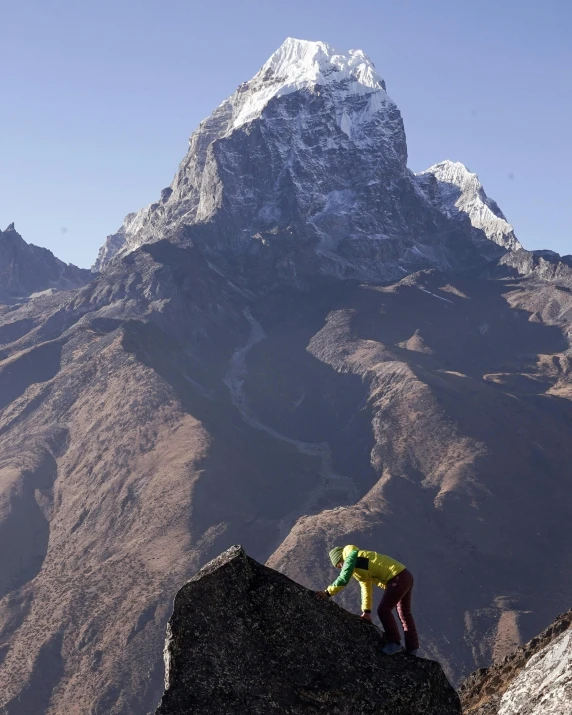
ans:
x=244 y=638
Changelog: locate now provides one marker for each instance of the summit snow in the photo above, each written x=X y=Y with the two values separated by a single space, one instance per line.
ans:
x=302 y=65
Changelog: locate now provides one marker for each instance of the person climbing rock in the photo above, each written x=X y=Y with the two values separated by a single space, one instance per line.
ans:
x=369 y=568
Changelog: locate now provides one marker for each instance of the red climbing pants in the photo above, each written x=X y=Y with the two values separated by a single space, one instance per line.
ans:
x=398 y=595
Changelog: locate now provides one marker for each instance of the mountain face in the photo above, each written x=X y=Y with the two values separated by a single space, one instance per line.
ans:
x=26 y=269
x=303 y=171
x=279 y=649
x=458 y=192
x=535 y=680
x=219 y=382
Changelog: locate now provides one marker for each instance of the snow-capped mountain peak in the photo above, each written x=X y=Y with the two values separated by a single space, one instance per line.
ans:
x=460 y=191
x=310 y=157
x=301 y=64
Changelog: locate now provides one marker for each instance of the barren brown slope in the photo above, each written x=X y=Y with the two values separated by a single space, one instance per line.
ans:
x=125 y=464
x=161 y=413
x=469 y=480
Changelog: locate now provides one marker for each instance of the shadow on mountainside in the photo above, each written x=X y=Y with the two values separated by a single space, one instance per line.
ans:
x=480 y=358
x=24 y=525
x=463 y=332
x=38 y=364
x=461 y=325
x=261 y=468
x=48 y=669
x=470 y=471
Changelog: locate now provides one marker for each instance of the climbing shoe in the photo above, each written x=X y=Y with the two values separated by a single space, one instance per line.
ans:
x=391 y=648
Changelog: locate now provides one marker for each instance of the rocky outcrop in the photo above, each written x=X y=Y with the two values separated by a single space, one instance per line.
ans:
x=246 y=639
x=543 y=264
x=26 y=269
x=535 y=680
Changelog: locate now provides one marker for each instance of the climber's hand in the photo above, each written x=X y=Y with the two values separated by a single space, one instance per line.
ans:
x=322 y=594
x=366 y=617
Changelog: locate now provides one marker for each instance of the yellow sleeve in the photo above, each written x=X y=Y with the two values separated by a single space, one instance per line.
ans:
x=366 y=595
x=348 y=549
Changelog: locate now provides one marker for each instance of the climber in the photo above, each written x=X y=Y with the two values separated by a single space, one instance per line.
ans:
x=369 y=567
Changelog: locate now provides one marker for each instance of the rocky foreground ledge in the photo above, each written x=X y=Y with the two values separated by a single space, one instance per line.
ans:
x=245 y=639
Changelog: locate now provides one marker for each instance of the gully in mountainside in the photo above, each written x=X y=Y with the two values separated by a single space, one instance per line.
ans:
x=329 y=480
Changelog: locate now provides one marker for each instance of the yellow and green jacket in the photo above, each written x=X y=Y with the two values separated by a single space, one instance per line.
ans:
x=367 y=567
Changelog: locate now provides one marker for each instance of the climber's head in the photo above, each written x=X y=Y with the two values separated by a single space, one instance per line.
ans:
x=336 y=557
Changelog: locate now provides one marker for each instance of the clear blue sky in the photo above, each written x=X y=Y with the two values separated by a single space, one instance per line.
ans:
x=98 y=99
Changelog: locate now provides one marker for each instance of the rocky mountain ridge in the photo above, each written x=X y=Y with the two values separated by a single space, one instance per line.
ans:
x=541 y=264
x=26 y=269
x=460 y=192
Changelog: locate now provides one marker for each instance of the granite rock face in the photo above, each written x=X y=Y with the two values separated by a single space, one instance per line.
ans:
x=246 y=639
x=535 y=680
